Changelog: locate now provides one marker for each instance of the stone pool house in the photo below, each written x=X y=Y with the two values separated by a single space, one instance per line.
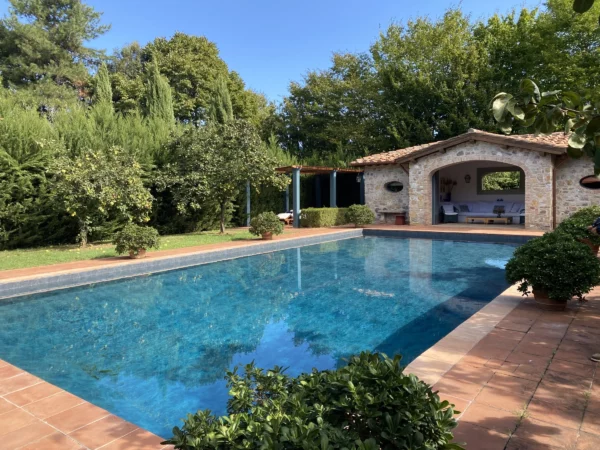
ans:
x=411 y=180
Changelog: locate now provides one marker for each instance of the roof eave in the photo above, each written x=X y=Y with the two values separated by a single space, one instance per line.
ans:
x=475 y=136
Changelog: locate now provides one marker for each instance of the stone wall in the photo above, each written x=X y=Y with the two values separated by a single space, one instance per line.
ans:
x=570 y=196
x=538 y=179
x=378 y=198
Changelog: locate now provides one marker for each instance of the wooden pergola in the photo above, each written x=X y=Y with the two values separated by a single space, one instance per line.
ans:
x=316 y=170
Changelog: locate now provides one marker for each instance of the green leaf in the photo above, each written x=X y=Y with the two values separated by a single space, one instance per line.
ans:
x=513 y=108
x=577 y=140
x=569 y=125
x=499 y=105
x=571 y=99
x=506 y=125
x=551 y=93
x=530 y=88
x=582 y=6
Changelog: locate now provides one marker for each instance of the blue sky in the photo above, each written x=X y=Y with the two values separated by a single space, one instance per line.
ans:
x=272 y=42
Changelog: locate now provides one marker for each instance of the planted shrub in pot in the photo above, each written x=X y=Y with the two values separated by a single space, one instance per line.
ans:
x=577 y=227
x=266 y=225
x=555 y=268
x=135 y=240
x=369 y=404
x=360 y=215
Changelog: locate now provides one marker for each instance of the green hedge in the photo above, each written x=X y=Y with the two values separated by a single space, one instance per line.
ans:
x=322 y=217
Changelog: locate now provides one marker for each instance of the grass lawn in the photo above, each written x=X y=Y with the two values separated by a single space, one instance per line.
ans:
x=42 y=256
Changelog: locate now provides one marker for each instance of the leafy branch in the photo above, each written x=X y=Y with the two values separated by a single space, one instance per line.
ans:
x=547 y=112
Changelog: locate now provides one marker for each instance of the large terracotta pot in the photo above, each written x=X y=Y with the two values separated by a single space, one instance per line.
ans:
x=267 y=236
x=546 y=303
x=141 y=253
x=593 y=248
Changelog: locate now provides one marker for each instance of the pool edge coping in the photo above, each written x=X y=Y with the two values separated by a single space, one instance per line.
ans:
x=431 y=365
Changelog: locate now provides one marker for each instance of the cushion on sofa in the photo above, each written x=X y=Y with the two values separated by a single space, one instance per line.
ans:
x=516 y=207
x=449 y=209
x=463 y=208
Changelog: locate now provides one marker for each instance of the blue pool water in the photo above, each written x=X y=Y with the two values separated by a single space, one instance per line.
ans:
x=152 y=349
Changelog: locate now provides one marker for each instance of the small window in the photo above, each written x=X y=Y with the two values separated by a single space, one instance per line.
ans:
x=394 y=186
x=500 y=181
x=590 y=182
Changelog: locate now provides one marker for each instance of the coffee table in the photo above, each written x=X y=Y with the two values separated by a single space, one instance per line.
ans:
x=491 y=220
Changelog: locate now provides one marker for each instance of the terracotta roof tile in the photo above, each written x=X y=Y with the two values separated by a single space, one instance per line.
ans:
x=552 y=143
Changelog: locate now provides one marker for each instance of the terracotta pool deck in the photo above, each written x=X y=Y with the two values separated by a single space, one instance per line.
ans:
x=520 y=376
x=529 y=383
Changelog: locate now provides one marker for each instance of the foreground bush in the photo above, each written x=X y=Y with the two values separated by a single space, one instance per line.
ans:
x=556 y=265
x=360 y=215
x=577 y=225
x=369 y=404
x=323 y=217
x=266 y=223
x=133 y=238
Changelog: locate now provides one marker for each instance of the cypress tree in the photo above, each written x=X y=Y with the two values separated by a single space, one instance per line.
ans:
x=159 y=101
x=220 y=109
x=103 y=92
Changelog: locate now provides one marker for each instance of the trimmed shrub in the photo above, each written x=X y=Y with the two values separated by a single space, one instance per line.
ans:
x=266 y=222
x=555 y=263
x=370 y=404
x=323 y=217
x=577 y=224
x=133 y=238
x=360 y=215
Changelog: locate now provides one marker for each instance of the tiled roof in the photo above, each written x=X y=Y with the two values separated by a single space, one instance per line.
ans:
x=550 y=143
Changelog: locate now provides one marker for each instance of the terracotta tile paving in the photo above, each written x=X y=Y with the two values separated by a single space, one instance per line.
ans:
x=529 y=384
x=38 y=415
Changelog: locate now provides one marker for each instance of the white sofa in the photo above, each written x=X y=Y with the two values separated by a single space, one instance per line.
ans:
x=465 y=210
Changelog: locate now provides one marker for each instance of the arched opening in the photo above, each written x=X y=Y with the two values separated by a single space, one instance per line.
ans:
x=479 y=192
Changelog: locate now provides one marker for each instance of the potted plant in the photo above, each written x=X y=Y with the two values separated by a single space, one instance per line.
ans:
x=135 y=240
x=555 y=268
x=266 y=225
x=360 y=215
x=577 y=226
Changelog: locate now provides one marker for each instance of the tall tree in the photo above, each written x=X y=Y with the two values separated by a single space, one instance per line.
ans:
x=430 y=73
x=127 y=74
x=211 y=164
x=159 y=101
x=334 y=110
x=220 y=109
x=192 y=65
x=102 y=88
x=45 y=40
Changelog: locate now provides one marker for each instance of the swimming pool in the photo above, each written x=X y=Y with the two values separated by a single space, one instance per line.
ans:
x=152 y=349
